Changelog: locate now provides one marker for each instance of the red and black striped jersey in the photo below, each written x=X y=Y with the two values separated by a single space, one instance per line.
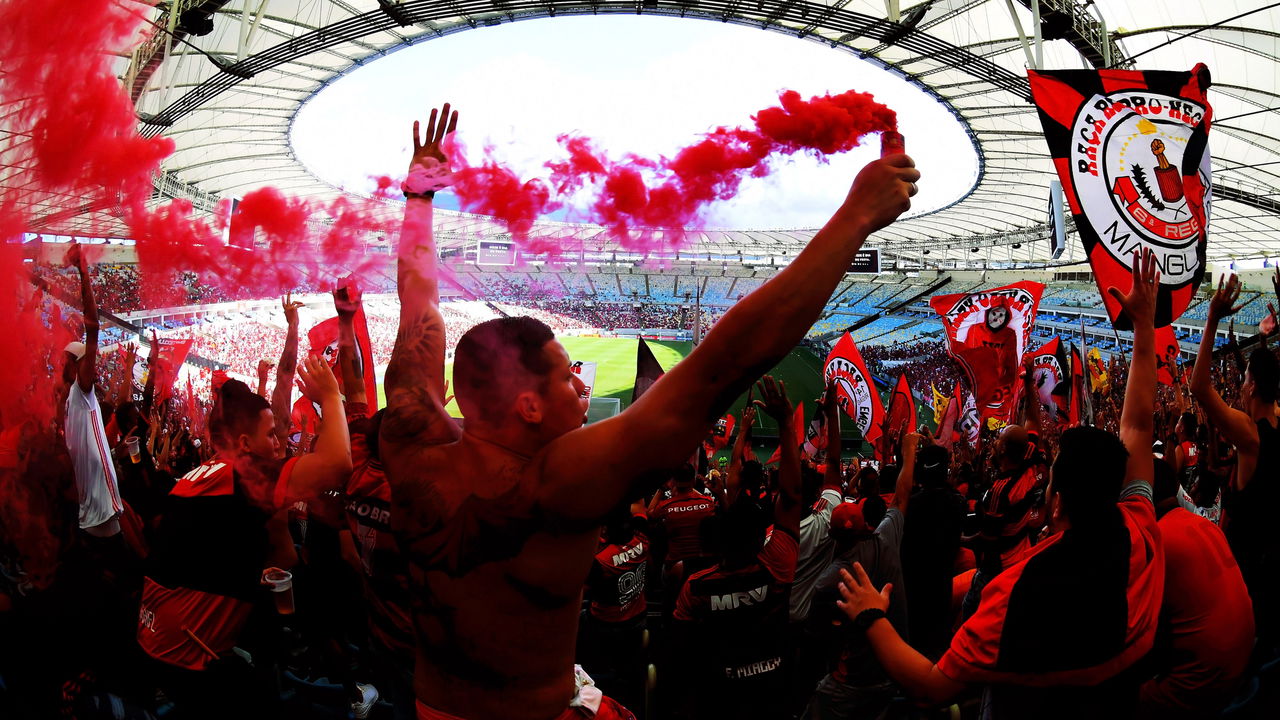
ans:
x=384 y=570
x=681 y=517
x=206 y=564
x=741 y=615
x=617 y=579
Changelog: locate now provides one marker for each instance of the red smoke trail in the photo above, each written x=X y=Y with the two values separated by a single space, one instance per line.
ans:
x=70 y=144
x=670 y=193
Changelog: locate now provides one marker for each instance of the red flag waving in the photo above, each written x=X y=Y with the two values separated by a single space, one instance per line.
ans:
x=986 y=332
x=902 y=406
x=719 y=437
x=902 y=413
x=815 y=437
x=722 y=431
x=324 y=343
x=855 y=390
x=172 y=353
x=1081 y=406
x=1168 y=352
x=1131 y=149
x=1051 y=377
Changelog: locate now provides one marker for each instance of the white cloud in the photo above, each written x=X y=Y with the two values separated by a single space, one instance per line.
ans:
x=642 y=85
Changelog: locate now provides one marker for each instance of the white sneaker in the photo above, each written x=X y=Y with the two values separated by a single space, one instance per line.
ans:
x=369 y=696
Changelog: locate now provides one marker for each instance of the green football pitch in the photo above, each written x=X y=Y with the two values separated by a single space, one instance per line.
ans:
x=615 y=358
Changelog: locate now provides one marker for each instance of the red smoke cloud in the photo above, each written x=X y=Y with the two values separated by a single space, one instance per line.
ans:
x=670 y=193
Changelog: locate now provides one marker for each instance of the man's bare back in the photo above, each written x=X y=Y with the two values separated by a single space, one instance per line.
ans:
x=501 y=523
x=500 y=578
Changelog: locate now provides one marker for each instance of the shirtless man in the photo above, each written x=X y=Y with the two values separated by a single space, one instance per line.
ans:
x=501 y=521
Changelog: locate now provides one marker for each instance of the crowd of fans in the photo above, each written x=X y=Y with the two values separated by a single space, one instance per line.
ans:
x=241 y=341
x=924 y=363
x=245 y=556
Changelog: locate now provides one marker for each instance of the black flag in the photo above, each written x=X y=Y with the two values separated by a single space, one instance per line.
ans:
x=647 y=370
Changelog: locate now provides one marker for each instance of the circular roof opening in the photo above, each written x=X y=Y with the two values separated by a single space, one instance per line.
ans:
x=641 y=85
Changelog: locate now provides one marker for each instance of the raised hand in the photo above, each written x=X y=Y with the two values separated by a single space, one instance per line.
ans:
x=1139 y=304
x=1224 y=300
x=830 y=401
x=74 y=257
x=427 y=152
x=316 y=380
x=1269 y=323
x=346 y=300
x=264 y=367
x=291 y=308
x=882 y=191
x=859 y=594
x=775 y=401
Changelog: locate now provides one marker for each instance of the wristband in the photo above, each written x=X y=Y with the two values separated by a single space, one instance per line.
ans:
x=862 y=622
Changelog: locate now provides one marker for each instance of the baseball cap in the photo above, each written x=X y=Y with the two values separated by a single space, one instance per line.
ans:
x=932 y=462
x=76 y=349
x=847 y=518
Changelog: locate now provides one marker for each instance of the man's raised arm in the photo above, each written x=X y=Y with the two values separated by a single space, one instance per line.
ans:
x=282 y=394
x=666 y=423
x=1235 y=426
x=88 y=372
x=415 y=375
x=1140 y=392
x=786 y=511
x=347 y=301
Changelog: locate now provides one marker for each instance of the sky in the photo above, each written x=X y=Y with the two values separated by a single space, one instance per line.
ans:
x=635 y=84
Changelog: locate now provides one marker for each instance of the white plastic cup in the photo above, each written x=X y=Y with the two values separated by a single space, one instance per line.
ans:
x=135 y=454
x=281 y=583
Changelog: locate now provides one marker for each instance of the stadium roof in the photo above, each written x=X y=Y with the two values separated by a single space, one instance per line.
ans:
x=227 y=97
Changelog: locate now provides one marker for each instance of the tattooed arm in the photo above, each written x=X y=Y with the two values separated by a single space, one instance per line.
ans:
x=415 y=376
x=668 y=421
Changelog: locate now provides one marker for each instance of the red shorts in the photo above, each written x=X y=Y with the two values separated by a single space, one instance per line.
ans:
x=610 y=709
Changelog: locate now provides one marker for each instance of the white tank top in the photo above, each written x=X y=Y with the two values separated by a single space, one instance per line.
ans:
x=91 y=459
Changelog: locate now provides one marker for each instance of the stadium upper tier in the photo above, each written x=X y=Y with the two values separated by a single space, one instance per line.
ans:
x=230 y=118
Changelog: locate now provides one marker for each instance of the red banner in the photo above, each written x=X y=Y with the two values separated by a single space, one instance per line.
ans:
x=987 y=331
x=720 y=434
x=815 y=437
x=855 y=390
x=173 y=353
x=1051 y=377
x=1081 y=407
x=1132 y=151
x=902 y=414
